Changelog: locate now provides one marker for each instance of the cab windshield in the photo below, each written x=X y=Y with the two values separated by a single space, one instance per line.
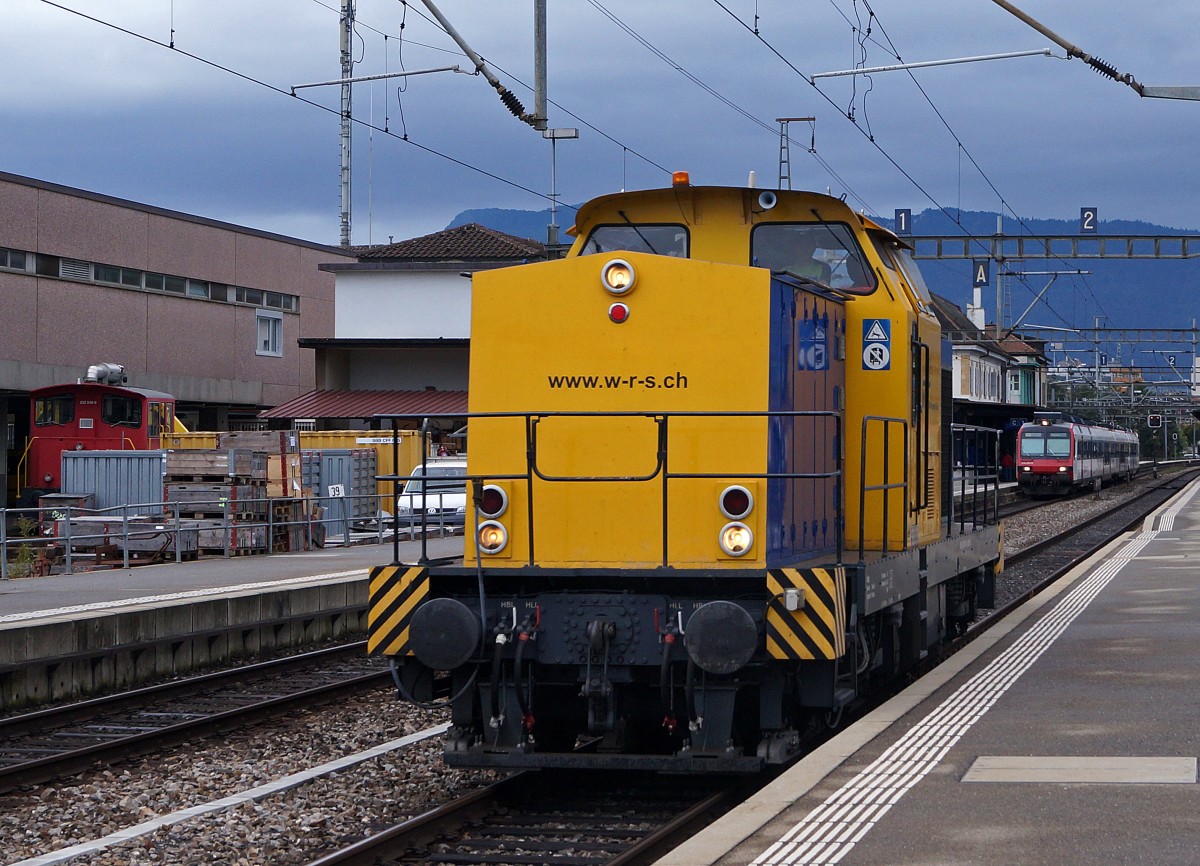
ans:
x=1046 y=442
x=661 y=240
x=59 y=409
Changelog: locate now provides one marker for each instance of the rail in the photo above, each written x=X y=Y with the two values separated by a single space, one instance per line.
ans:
x=886 y=485
x=22 y=473
x=976 y=452
x=660 y=471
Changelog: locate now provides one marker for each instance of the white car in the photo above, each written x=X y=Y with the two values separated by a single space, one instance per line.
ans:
x=436 y=499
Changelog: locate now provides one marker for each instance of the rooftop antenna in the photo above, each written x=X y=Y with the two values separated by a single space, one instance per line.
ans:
x=785 y=161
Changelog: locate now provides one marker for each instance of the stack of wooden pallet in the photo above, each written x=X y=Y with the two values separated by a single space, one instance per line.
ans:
x=280 y=453
x=289 y=528
x=224 y=491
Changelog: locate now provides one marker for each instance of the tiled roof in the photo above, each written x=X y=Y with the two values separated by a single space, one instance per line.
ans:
x=365 y=404
x=1015 y=345
x=463 y=243
x=954 y=319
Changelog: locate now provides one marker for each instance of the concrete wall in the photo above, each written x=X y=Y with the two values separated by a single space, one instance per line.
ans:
x=403 y=305
x=85 y=654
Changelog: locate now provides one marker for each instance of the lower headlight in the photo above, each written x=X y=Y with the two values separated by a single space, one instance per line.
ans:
x=492 y=536
x=736 y=539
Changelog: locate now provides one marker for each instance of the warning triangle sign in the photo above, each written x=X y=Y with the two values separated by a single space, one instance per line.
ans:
x=876 y=333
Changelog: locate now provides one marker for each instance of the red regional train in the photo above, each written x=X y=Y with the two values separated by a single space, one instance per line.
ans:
x=1059 y=453
x=94 y=414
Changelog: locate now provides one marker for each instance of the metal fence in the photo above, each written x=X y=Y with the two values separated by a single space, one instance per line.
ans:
x=67 y=538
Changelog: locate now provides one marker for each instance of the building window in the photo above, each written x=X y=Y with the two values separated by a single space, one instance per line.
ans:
x=119 y=276
x=14 y=259
x=114 y=275
x=270 y=334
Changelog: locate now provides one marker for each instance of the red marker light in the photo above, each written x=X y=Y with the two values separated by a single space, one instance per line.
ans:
x=618 y=313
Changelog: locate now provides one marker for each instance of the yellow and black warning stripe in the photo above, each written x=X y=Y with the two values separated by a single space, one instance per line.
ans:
x=818 y=629
x=395 y=592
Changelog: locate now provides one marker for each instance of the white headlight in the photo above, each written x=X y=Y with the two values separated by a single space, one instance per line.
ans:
x=736 y=539
x=493 y=537
x=618 y=276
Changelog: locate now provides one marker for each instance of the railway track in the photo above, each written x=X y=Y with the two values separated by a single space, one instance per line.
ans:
x=553 y=816
x=47 y=744
x=1028 y=571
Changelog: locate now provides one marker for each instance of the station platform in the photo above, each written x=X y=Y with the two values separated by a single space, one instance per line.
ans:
x=71 y=635
x=1069 y=734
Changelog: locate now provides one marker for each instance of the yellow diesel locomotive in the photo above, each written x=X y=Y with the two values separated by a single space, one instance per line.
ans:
x=708 y=502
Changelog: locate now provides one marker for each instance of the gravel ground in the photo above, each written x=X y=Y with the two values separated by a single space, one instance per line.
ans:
x=300 y=824
x=1041 y=523
x=291 y=827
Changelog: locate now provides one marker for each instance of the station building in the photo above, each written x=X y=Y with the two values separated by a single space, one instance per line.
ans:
x=210 y=312
x=400 y=337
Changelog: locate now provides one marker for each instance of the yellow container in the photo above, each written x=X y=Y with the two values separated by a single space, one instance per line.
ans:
x=206 y=441
x=408 y=449
x=408 y=456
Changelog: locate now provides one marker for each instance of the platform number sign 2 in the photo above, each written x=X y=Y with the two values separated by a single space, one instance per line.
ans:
x=1089 y=219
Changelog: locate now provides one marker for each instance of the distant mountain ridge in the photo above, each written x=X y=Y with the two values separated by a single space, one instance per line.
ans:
x=1122 y=293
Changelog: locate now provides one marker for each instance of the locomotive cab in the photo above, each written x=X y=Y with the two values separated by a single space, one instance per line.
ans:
x=98 y=412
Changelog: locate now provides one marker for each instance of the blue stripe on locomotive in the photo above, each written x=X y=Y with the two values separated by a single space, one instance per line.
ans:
x=806 y=374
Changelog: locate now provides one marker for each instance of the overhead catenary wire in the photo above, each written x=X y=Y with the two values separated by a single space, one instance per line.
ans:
x=630 y=31
x=284 y=92
x=963 y=149
x=984 y=243
x=626 y=149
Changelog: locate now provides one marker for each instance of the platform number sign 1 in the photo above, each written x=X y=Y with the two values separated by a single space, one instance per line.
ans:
x=903 y=221
x=1088 y=220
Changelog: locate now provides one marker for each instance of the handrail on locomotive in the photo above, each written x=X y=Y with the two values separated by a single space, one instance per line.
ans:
x=985 y=477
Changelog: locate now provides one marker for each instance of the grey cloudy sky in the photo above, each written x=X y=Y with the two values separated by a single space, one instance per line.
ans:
x=90 y=106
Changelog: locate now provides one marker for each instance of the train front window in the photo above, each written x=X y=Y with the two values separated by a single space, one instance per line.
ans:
x=121 y=411
x=825 y=252
x=662 y=240
x=59 y=409
x=1046 y=443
